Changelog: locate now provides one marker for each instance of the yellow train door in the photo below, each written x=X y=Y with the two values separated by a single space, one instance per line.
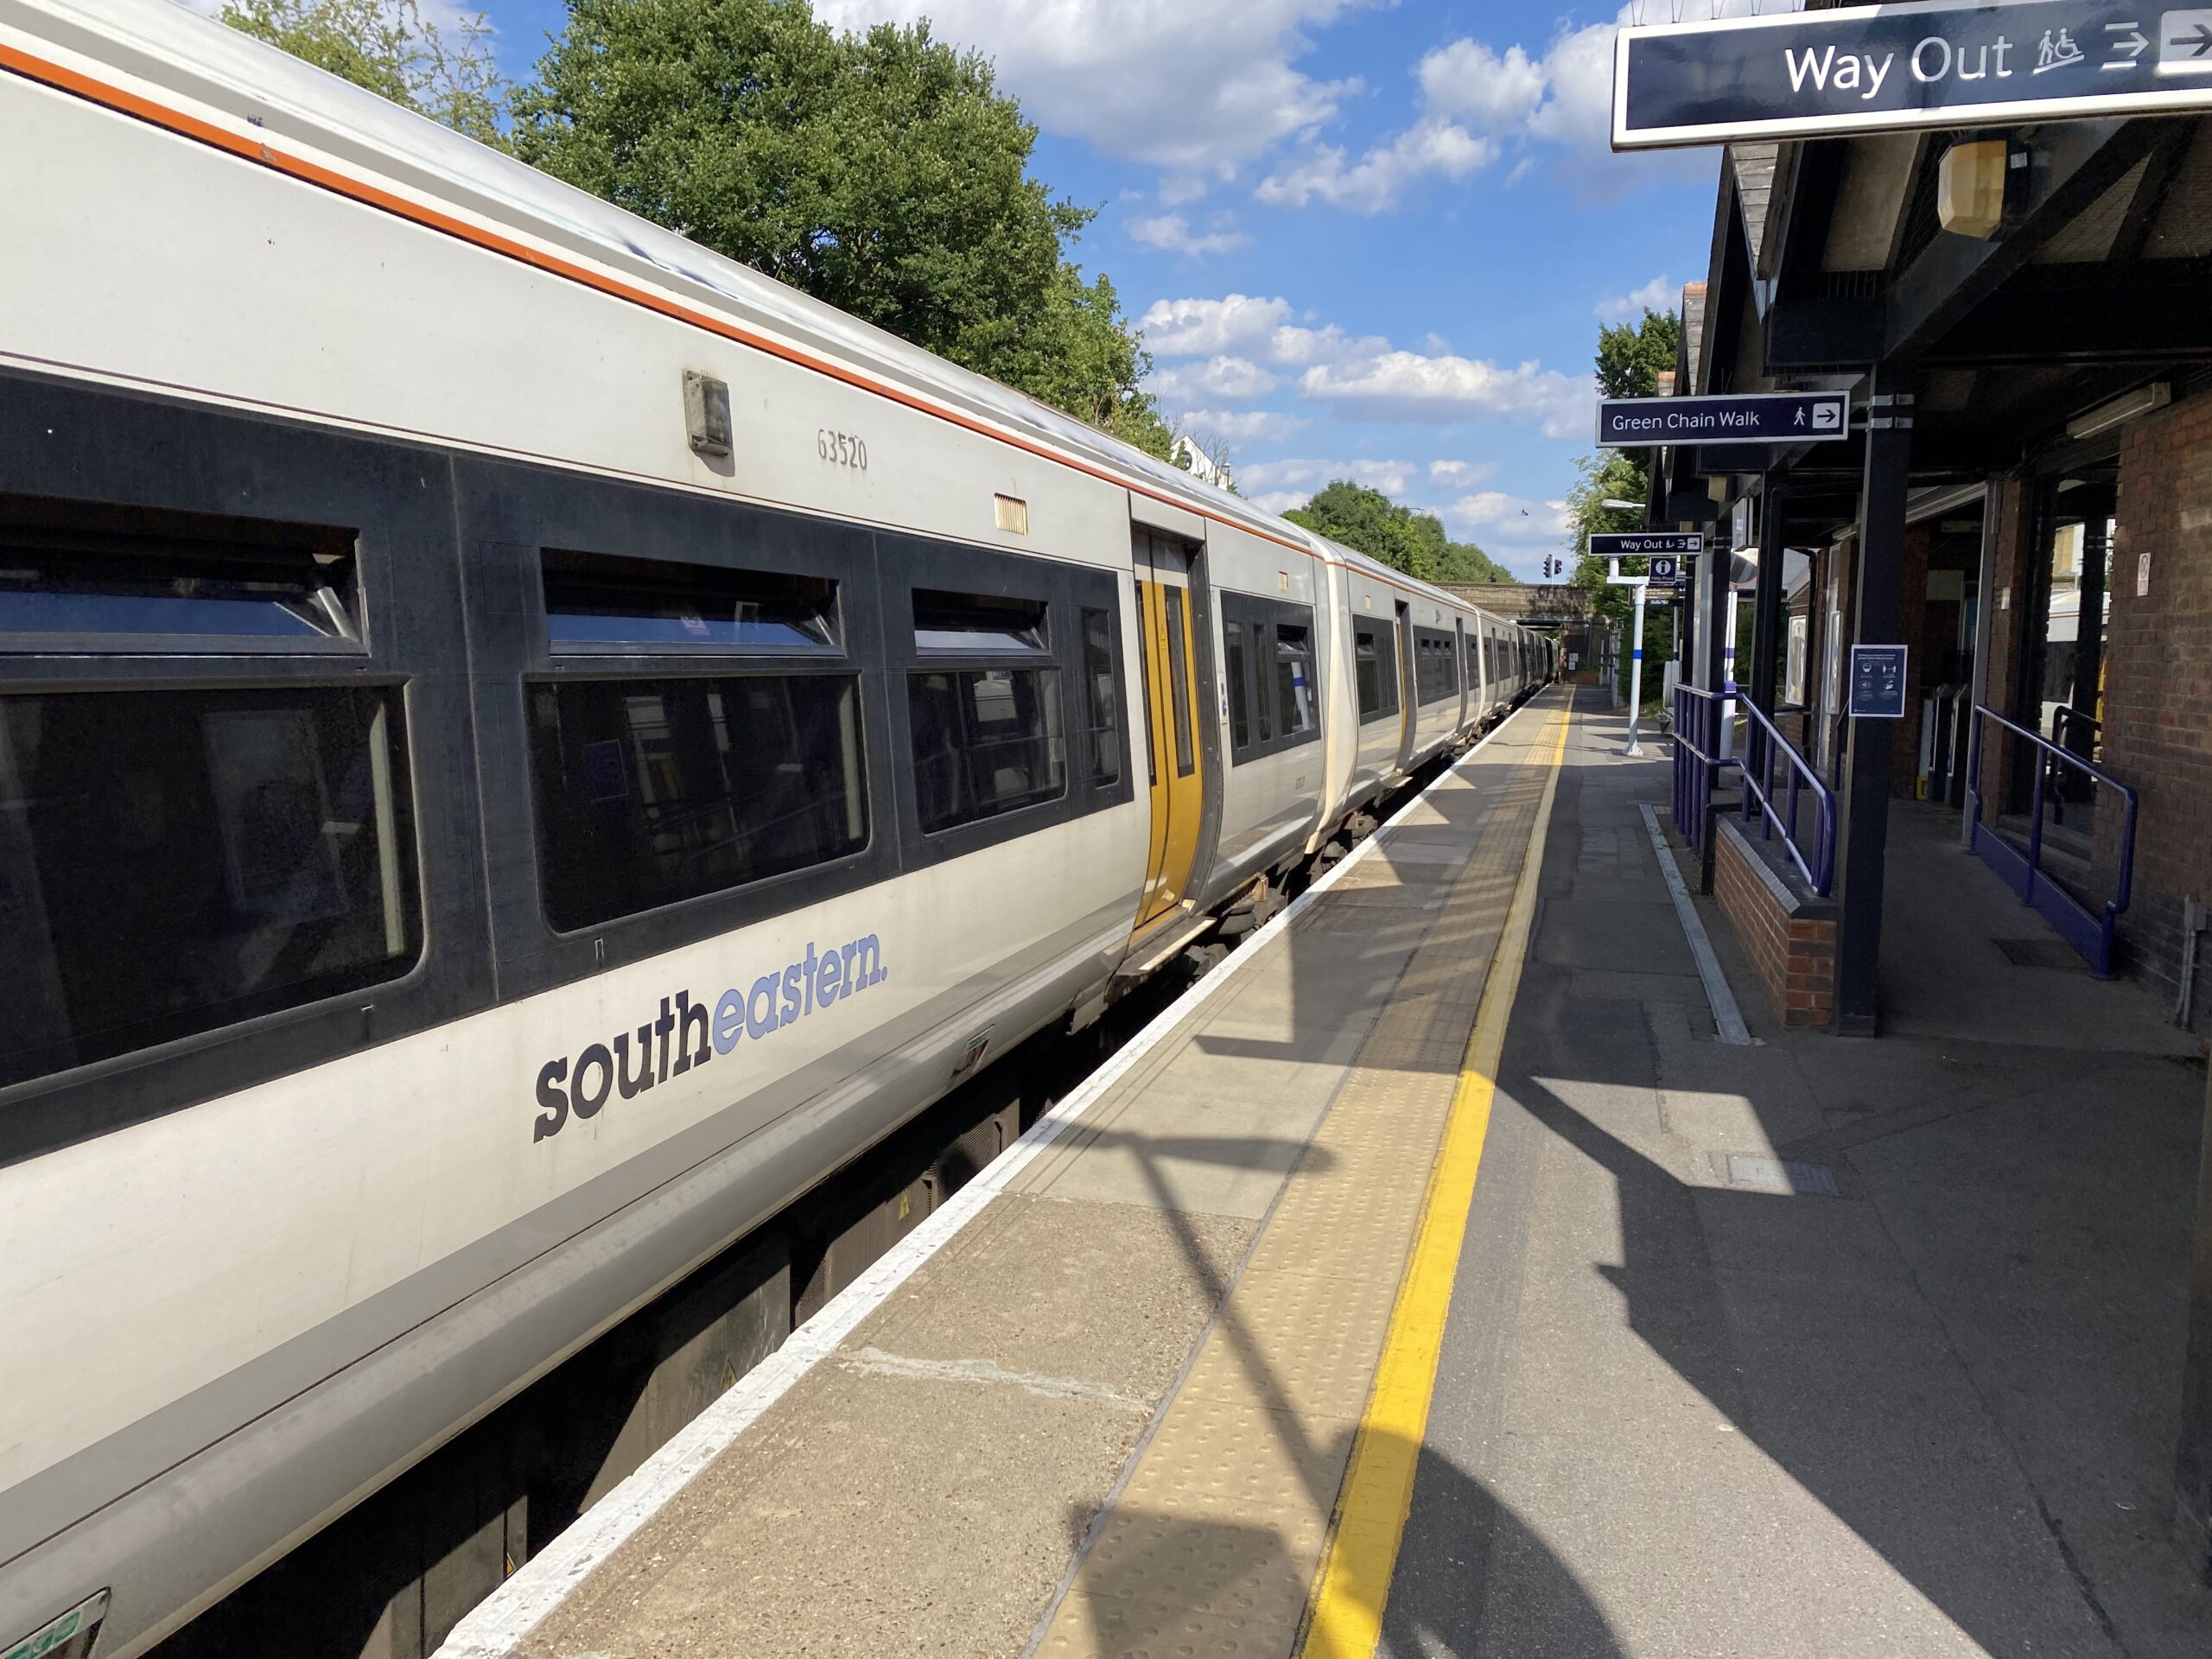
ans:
x=1167 y=645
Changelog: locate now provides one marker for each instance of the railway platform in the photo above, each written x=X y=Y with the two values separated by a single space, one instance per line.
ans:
x=1429 y=1281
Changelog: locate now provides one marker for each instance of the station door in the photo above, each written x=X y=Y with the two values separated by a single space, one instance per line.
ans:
x=1166 y=642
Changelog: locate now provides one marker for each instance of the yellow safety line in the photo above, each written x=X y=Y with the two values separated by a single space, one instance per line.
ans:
x=1346 y=1617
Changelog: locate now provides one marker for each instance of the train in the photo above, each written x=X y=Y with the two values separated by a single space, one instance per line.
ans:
x=524 y=746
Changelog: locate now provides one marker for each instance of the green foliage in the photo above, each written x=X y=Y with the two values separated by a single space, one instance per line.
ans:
x=1402 y=538
x=884 y=173
x=1632 y=356
x=392 y=48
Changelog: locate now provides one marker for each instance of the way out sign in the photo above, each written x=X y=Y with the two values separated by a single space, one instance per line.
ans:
x=1947 y=64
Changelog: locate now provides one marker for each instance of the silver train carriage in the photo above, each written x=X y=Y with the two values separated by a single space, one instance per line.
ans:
x=525 y=745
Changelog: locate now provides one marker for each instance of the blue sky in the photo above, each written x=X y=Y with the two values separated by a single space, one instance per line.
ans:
x=1362 y=239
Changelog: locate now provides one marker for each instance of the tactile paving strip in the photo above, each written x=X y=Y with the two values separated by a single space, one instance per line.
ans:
x=1213 y=1545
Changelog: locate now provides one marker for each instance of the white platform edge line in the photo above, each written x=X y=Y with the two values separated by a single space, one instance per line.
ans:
x=1727 y=1018
x=498 y=1625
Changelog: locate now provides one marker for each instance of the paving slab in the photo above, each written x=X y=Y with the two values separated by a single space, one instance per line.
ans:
x=1115 y=1410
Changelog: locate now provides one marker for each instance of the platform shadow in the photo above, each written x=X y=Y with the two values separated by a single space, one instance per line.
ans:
x=1219 y=1583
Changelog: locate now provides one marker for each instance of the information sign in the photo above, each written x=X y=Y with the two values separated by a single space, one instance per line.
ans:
x=1953 y=63
x=1754 y=417
x=1646 y=543
x=1877 y=682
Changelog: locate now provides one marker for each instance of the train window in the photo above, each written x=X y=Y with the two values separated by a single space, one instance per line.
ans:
x=1268 y=661
x=1179 y=681
x=170 y=581
x=1294 y=676
x=1233 y=667
x=1375 y=665
x=987 y=741
x=1101 y=682
x=1436 y=667
x=977 y=624
x=653 y=790
x=173 y=861
x=597 y=601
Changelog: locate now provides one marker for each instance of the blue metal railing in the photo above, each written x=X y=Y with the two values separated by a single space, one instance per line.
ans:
x=1761 y=746
x=2089 y=932
x=1698 y=761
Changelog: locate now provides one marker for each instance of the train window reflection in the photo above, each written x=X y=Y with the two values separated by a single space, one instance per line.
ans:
x=68 y=569
x=977 y=623
x=1102 y=683
x=174 y=861
x=1240 y=712
x=593 y=601
x=1375 y=669
x=987 y=741
x=650 y=791
x=1294 y=676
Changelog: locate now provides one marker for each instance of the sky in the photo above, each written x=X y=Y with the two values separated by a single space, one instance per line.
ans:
x=1362 y=239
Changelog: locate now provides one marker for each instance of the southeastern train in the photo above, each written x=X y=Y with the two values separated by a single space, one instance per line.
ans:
x=524 y=747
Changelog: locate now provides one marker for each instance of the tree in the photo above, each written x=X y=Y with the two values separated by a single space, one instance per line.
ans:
x=392 y=48
x=883 y=173
x=1630 y=358
x=1402 y=538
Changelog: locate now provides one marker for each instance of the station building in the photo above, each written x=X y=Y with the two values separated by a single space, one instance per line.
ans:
x=2024 y=502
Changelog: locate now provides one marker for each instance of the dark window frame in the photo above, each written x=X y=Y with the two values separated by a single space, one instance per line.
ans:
x=1434 y=649
x=910 y=562
x=509 y=513
x=1260 y=617
x=1381 y=634
x=1117 y=747
x=128 y=452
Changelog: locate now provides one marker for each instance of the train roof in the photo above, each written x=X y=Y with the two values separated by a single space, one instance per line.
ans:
x=161 y=45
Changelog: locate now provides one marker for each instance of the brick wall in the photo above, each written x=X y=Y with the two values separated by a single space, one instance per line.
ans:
x=1789 y=937
x=2158 y=700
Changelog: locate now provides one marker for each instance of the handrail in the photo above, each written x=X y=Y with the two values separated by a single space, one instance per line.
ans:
x=2060 y=714
x=1764 y=739
x=1696 y=767
x=2092 y=935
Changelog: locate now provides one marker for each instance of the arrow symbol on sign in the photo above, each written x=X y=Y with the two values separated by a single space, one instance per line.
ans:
x=2133 y=42
x=2198 y=46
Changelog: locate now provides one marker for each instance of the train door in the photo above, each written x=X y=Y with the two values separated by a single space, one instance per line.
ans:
x=1409 y=688
x=1166 y=640
x=1466 y=674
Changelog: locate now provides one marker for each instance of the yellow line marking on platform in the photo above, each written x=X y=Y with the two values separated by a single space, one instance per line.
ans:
x=1345 y=1621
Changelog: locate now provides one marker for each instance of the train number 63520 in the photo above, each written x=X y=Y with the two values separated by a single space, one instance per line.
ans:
x=841 y=450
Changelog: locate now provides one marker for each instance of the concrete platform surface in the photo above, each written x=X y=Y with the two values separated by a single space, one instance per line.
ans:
x=1114 y=1412
x=1678 y=1407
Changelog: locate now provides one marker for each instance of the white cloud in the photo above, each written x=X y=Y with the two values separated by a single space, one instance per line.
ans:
x=1240 y=426
x=1562 y=99
x=1173 y=232
x=1412 y=386
x=1294 y=481
x=1295 y=346
x=1197 y=327
x=1498 y=93
x=1197 y=86
x=1514 y=516
x=1657 y=295
x=1459 y=473
x=1376 y=181
x=1236 y=378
